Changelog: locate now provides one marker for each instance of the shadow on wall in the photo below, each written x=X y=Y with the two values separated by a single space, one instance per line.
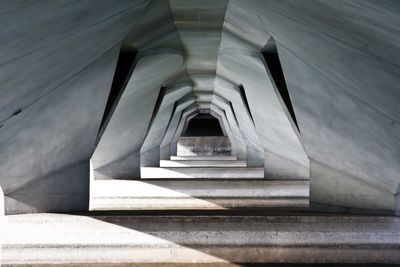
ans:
x=64 y=190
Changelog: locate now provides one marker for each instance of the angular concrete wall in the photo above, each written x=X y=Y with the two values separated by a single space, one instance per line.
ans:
x=58 y=59
x=57 y=66
x=341 y=73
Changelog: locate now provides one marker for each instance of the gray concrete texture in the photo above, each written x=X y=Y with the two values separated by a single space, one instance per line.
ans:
x=194 y=194
x=340 y=61
x=34 y=239
x=204 y=146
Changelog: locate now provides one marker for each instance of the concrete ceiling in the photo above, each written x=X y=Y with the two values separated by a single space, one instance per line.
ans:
x=340 y=61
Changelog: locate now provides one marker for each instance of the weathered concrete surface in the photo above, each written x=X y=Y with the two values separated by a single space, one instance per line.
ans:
x=204 y=146
x=62 y=239
x=213 y=158
x=191 y=194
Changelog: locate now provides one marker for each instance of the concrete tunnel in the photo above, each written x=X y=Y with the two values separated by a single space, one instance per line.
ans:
x=230 y=109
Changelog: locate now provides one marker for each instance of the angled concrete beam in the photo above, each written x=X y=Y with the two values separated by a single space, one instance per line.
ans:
x=150 y=150
x=221 y=115
x=182 y=104
x=284 y=154
x=118 y=152
x=225 y=90
x=227 y=111
x=190 y=112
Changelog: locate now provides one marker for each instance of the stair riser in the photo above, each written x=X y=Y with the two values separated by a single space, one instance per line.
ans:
x=195 y=194
x=201 y=163
x=204 y=158
x=227 y=173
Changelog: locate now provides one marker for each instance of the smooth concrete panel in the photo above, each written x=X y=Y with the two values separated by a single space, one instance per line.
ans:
x=40 y=141
x=38 y=73
x=335 y=188
x=64 y=190
x=31 y=26
x=340 y=130
x=361 y=58
x=150 y=158
x=127 y=167
x=277 y=167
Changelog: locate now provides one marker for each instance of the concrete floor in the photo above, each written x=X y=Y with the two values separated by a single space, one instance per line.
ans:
x=216 y=240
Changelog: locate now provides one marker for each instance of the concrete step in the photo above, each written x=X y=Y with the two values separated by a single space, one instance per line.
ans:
x=203 y=158
x=203 y=163
x=194 y=194
x=45 y=239
x=198 y=172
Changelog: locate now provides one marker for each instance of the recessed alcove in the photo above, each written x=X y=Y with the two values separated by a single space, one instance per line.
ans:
x=203 y=136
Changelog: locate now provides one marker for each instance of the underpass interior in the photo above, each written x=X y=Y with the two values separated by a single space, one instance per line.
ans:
x=225 y=132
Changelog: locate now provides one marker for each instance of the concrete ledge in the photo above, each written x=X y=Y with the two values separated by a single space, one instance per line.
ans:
x=197 y=194
x=198 y=172
x=65 y=239
x=204 y=158
x=202 y=163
